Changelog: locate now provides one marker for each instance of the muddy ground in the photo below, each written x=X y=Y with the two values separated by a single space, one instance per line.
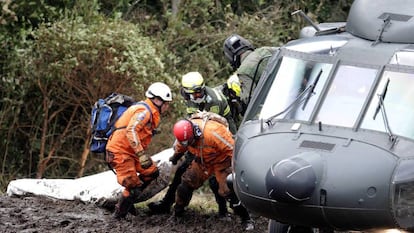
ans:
x=44 y=214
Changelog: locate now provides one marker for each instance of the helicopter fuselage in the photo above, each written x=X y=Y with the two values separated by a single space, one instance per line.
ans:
x=328 y=137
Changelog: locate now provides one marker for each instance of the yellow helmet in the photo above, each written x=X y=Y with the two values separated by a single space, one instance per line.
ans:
x=192 y=82
x=233 y=83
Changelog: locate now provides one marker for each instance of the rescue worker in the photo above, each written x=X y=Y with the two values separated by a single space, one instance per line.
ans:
x=203 y=98
x=212 y=144
x=128 y=143
x=199 y=98
x=232 y=90
x=247 y=61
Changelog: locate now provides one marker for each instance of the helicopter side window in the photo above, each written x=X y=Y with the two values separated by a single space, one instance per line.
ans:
x=405 y=57
x=398 y=103
x=346 y=96
x=295 y=89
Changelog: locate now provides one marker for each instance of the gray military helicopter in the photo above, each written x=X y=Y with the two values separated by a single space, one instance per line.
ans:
x=327 y=141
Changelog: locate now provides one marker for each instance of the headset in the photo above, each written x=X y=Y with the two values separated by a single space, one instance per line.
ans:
x=196 y=130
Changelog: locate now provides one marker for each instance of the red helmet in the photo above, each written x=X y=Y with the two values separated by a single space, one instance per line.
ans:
x=183 y=132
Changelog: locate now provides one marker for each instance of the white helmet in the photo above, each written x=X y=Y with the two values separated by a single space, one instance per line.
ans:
x=160 y=90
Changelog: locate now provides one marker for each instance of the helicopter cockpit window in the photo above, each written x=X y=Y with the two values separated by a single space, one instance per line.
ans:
x=405 y=57
x=398 y=103
x=295 y=89
x=346 y=96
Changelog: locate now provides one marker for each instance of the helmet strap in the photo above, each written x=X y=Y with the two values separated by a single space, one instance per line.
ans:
x=158 y=106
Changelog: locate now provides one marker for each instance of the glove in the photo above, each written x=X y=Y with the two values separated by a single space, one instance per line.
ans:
x=176 y=156
x=144 y=160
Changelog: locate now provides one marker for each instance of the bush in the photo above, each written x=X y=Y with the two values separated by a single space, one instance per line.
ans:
x=71 y=64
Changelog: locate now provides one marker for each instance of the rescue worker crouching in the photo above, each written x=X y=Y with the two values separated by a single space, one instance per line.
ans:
x=212 y=145
x=133 y=134
x=199 y=97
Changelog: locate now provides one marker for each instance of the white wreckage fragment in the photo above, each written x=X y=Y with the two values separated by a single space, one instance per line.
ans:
x=101 y=189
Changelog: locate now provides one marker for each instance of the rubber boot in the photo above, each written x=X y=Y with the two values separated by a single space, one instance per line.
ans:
x=179 y=210
x=133 y=211
x=123 y=206
x=241 y=211
x=221 y=201
x=246 y=221
x=184 y=195
x=164 y=206
x=160 y=207
x=126 y=204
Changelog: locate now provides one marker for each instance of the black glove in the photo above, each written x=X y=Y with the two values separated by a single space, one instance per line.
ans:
x=175 y=157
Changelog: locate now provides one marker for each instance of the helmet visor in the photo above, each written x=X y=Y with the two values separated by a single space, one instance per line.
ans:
x=198 y=89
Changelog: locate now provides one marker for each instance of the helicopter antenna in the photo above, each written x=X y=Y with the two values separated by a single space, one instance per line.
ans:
x=387 y=21
x=309 y=20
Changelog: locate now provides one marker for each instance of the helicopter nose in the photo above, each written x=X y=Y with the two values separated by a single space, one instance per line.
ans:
x=291 y=180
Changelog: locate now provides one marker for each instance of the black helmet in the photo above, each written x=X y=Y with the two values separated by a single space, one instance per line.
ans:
x=233 y=47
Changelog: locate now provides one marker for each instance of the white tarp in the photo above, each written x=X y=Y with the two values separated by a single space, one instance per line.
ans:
x=101 y=188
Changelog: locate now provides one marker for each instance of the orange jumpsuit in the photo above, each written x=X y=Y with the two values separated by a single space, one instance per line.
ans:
x=135 y=133
x=213 y=151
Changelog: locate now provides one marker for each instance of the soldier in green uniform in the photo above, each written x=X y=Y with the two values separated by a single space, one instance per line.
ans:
x=203 y=98
x=232 y=90
x=248 y=62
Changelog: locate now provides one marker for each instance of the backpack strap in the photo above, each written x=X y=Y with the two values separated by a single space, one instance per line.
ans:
x=206 y=117
x=147 y=107
x=140 y=103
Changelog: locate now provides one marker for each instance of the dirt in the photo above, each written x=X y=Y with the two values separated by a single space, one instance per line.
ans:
x=43 y=214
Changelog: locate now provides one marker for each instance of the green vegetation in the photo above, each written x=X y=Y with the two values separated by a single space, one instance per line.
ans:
x=58 y=56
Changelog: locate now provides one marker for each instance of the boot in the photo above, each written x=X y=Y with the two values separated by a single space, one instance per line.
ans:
x=248 y=224
x=184 y=194
x=160 y=207
x=222 y=208
x=164 y=206
x=123 y=207
x=179 y=210
x=241 y=211
x=221 y=201
x=133 y=211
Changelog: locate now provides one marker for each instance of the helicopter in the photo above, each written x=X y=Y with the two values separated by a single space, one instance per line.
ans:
x=327 y=140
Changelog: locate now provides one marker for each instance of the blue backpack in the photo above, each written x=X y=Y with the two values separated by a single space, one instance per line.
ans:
x=105 y=113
